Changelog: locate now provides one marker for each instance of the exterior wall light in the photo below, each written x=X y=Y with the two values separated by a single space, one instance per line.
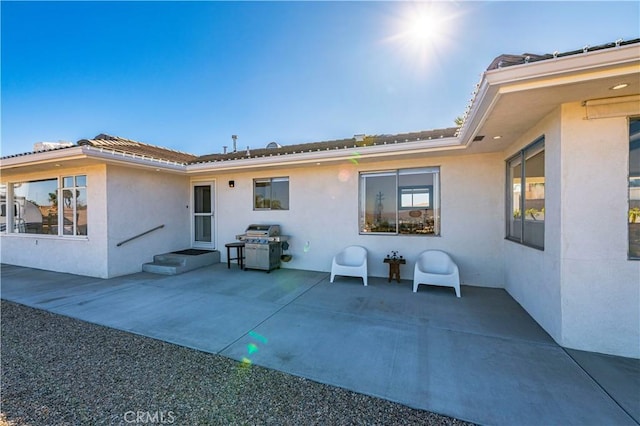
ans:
x=232 y=184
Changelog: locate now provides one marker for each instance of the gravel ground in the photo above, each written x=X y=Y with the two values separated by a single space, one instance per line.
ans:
x=61 y=371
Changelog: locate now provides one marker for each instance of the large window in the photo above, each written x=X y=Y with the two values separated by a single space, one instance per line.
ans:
x=525 y=196
x=634 y=188
x=400 y=202
x=49 y=206
x=271 y=194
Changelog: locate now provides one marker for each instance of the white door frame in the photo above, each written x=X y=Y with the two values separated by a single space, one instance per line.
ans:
x=207 y=237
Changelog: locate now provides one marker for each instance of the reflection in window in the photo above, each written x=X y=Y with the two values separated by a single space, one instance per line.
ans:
x=38 y=206
x=525 y=196
x=3 y=207
x=400 y=202
x=74 y=207
x=415 y=197
x=271 y=194
x=34 y=201
x=634 y=188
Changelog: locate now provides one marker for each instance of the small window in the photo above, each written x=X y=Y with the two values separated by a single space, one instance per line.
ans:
x=525 y=196
x=400 y=202
x=416 y=197
x=271 y=194
x=74 y=206
x=634 y=188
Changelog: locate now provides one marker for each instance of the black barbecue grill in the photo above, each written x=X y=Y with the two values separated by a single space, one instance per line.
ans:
x=262 y=246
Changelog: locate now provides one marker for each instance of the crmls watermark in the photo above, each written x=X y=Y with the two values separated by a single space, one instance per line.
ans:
x=145 y=417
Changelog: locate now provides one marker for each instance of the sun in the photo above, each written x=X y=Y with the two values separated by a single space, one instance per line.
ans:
x=422 y=29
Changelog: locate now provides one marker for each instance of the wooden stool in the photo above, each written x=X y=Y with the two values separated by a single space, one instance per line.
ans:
x=394 y=267
x=239 y=254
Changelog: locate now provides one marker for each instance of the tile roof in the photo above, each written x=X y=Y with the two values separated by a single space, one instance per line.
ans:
x=22 y=154
x=510 y=60
x=118 y=144
x=332 y=145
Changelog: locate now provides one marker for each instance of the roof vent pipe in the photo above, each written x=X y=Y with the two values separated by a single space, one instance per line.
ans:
x=235 y=138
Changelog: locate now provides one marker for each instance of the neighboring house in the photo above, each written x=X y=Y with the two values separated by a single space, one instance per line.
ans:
x=535 y=193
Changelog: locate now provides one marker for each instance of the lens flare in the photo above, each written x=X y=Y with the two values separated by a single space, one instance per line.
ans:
x=259 y=337
x=251 y=348
x=344 y=175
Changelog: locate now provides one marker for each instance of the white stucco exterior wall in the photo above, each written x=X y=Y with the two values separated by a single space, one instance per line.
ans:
x=323 y=215
x=139 y=200
x=83 y=255
x=581 y=289
x=600 y=287
x=532 y=276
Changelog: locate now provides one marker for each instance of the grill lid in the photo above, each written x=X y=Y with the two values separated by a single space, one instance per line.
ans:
x=262 y=231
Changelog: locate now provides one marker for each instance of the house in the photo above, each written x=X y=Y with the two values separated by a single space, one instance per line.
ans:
x=534 y=193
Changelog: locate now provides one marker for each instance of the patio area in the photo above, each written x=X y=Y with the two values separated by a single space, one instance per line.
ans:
x=480 y=358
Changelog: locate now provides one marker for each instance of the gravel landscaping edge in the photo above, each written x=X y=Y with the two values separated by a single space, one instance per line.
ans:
x=58 y=370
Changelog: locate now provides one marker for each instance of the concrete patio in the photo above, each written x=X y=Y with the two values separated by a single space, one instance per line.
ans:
x=480 y=358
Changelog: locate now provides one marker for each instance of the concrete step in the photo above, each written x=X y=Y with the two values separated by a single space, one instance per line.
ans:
x=181 y=261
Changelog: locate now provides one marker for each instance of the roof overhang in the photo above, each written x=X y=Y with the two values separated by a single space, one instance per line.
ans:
x=81 y=156
x=513 y=99
x=332 y=156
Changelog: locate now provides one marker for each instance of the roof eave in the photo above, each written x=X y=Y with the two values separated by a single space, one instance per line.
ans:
x=42 y=157
x=113 y=156
x=546 y=73
x=88 y=152
x=331 y=155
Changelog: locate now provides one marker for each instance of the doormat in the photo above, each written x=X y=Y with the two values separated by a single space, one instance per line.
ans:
x=192 y=252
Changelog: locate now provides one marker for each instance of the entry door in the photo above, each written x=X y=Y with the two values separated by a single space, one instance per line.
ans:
x=203 y=229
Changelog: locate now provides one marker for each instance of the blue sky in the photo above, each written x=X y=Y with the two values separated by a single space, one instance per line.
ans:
x=188 y=75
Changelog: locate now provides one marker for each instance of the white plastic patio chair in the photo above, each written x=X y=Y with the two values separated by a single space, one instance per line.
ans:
x=351 y=262
x=435 y=267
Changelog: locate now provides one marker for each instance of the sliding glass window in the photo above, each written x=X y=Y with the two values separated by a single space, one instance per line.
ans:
x=634 y=188
x=525 y=196
x=402 y=201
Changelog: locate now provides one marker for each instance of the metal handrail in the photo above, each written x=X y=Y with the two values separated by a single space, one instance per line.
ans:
x=139 y=235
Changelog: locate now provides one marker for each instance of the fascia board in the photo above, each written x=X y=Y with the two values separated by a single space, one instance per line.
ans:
x=335 y=155
x=127 y=159
x=613 y=60
x=559 y=80
x=486 y=97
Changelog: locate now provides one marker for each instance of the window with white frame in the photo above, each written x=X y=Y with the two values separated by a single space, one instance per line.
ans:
x=404 y=201
x=525 y=196
x=634 y=188
x=74 y=205
x=48 y=206
x=271 y=193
